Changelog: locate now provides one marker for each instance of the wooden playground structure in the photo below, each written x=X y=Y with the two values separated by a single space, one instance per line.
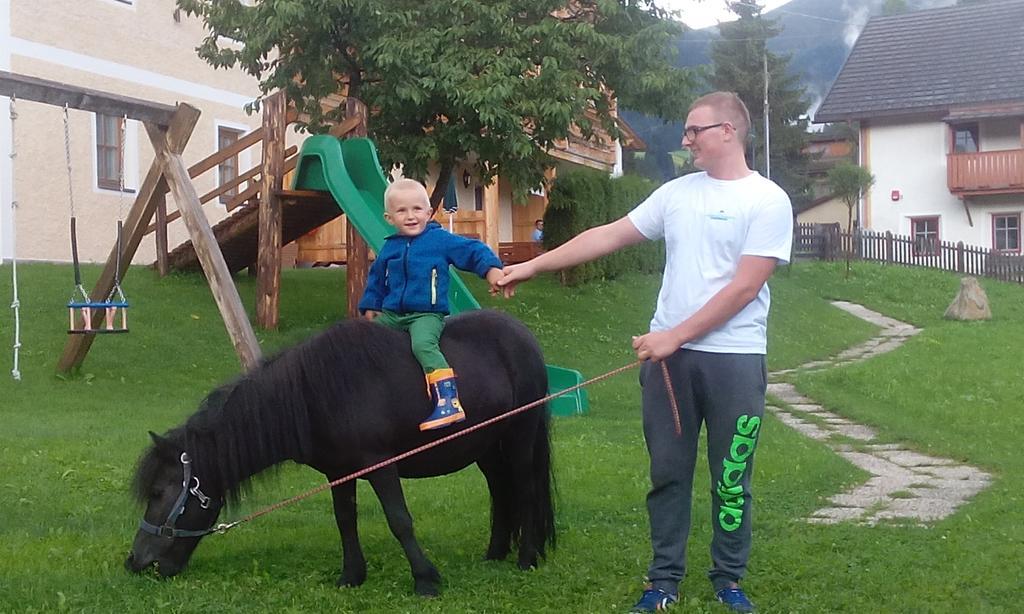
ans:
x=254 y=234
x=263 y=217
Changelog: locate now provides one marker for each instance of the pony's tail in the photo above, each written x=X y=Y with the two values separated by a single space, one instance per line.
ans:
x=543 y=528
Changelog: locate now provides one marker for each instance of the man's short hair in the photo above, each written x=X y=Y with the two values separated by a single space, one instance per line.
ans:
x=730 y=108
x=405 y=185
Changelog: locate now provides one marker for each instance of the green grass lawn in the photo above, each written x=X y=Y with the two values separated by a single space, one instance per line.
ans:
x=67 y=448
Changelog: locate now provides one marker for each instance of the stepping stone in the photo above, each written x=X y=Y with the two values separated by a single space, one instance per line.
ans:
x=906 y=458
x=833 y=515
x=886 y=446
x=809 y=408
x=926 y=510
x=803 y=427
x=856 y=431
x=955 y=472
x=787 y=393
x=880 y=467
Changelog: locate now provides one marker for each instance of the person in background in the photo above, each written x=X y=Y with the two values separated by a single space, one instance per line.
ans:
x=538 y=231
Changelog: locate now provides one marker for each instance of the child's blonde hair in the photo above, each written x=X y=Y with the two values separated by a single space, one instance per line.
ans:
x=405 y=186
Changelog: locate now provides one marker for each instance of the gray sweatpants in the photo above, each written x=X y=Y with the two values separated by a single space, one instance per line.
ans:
x=725 y=392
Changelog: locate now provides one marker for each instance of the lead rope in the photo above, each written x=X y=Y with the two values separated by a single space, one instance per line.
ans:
x=225 y=527
x=15 y=303
x=671 y=398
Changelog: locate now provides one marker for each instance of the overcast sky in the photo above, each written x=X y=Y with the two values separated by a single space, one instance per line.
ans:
x=704 y=13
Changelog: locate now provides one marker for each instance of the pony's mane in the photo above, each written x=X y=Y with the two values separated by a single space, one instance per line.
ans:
x=263 y=417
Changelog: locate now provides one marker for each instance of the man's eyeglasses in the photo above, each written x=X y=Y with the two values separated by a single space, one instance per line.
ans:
x=691 y=132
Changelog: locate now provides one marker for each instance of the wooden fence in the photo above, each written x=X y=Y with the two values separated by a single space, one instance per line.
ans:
x=829 y=242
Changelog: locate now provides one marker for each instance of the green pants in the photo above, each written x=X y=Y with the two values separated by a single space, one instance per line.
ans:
x=425 y=331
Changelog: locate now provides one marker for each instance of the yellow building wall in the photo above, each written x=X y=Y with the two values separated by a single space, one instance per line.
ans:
x=139 y=51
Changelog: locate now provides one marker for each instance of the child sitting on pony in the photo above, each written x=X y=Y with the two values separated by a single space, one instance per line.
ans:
x=407 y=287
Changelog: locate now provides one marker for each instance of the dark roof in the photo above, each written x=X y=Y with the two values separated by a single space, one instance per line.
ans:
x=928 y=61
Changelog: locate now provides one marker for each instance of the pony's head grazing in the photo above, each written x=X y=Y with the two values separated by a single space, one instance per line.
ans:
x=261 y=419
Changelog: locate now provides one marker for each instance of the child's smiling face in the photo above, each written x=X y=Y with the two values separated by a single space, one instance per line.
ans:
x=408 y=210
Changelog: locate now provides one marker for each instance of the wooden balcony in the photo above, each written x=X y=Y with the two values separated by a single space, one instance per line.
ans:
x=986 y=172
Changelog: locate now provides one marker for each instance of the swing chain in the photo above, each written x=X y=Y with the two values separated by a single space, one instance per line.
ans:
x=79 y=293
x=67 y=159
x=116 y=291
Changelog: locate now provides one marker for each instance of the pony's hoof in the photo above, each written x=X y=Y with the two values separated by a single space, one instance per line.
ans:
x=527 y=564
x=427 y=588
x=496 y=555
x=428 y=584
x=351 y=580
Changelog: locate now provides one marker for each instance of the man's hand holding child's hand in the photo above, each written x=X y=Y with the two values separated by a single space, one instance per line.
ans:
x=493 y=275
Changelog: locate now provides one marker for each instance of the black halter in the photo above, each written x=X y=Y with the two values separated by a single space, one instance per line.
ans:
x=167 y=529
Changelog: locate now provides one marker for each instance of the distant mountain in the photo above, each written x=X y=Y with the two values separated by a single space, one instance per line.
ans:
x=816 y=34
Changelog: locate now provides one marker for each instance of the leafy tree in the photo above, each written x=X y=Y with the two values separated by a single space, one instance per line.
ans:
x=847 y=181
x=491 y=83
x=738 y=65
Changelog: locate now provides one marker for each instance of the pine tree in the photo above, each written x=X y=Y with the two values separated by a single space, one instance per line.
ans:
x=738 y=66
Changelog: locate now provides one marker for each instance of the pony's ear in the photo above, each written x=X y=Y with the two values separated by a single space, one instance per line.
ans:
x=162 y=443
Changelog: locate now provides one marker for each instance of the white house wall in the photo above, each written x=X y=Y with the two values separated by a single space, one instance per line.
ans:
x=132 y=50
x=911 y=158
x=999 y=134
x=6 y=176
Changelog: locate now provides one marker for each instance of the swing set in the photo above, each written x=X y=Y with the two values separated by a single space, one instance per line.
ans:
x=104 y=310
x=81 y=307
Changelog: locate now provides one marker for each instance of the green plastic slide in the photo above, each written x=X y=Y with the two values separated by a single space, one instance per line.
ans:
x=350 y=170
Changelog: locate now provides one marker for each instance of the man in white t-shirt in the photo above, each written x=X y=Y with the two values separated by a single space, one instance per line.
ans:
x=725 y=229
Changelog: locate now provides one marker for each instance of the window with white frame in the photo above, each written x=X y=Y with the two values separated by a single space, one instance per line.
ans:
x=1006 y=232
x=227 y=170
x=109 y=152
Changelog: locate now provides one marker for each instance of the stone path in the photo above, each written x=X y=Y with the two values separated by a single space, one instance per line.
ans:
x=904 y=485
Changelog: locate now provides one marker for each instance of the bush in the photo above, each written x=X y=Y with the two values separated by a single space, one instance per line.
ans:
x=582 y=199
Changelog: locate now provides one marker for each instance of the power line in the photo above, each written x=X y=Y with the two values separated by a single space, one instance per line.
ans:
x=759 y=38
x=829 y=19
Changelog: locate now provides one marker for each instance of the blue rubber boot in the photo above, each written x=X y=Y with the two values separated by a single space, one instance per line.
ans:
x=447 y=407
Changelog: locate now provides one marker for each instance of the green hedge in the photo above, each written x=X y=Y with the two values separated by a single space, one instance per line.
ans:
x=582 y=199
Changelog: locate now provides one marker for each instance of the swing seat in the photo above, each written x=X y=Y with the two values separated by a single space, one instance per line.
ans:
x=110 y=325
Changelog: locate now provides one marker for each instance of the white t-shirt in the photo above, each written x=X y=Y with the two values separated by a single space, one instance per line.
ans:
x=708 y=224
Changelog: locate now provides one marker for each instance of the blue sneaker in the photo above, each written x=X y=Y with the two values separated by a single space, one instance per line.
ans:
x=654 y=600
x=735 y=599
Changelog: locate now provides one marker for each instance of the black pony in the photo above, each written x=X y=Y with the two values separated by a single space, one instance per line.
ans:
x=346 y=399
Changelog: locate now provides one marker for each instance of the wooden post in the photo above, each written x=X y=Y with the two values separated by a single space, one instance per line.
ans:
x=357 y=252
x=358 y=255
x=162 y=267
x=182 y=123
x=961 y=264
x=268 y=261
x=223 y=287
x=888 y=247
x=491 y=213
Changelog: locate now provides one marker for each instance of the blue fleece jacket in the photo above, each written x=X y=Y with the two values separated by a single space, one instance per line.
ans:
x=411 y=273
